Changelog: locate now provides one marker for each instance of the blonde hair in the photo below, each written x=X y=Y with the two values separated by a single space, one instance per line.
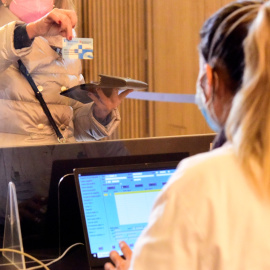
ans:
x=248 y=125
x=65 y=4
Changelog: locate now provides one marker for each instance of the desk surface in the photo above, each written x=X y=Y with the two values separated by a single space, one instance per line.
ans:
x=75 y=259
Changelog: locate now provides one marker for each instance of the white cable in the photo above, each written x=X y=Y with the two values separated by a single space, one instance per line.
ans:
x=26 y=255
x=57 y=259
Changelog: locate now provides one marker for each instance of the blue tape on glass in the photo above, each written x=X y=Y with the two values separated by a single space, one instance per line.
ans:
x=163 y=97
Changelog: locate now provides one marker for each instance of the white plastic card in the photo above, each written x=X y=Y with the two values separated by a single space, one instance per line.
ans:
x=77 y=48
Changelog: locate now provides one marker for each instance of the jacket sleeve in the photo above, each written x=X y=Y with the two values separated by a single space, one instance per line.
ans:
x=87 y=127
x=8 y=54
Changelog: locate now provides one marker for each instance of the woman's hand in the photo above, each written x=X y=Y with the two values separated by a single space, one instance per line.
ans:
x=104 y=105
x=57 y=22
x=119 y=262
x=33 y=210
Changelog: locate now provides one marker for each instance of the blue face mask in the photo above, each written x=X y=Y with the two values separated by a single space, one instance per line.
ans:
x=211 y=123
x=200 y=101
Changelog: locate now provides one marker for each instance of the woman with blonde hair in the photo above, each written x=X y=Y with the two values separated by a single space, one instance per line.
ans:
x=249 y=122
x=214 y=213
x=31 y=36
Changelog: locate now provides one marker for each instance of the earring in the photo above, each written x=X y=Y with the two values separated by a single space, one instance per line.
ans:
x=5 y=4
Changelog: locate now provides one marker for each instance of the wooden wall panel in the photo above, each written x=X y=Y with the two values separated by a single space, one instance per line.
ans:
x=151 y=40
x=175 y=54
x=118 y=29
x=175 y=38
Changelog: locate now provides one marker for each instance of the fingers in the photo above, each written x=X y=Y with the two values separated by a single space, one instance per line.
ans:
x=109 y=266
x=60 y=15
x=104 y=103
x=115 y=257
x=33 y=209
x=119 y=262
x=57 y=22
x=71 y=14
x=114 y=94
x=40 y=199
x=123 y=94
x=68 y=19
x=26 y=215
x=101 y=93
x=95 y=98
x=126 y=250
x=65 y=19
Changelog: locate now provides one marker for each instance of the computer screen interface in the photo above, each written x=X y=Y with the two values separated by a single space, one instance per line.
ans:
x=117 y=206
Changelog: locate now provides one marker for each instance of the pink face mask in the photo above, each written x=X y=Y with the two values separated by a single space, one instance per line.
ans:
x=30 y=10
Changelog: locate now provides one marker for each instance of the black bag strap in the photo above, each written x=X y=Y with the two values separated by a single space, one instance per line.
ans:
x=43 y=104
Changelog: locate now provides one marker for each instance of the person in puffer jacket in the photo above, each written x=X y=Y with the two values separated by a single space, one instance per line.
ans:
x=32 y=31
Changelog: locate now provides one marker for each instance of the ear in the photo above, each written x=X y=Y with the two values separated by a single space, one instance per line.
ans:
x=208 y=91
x=209 y=75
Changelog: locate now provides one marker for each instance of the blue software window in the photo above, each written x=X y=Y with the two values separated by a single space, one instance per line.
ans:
x=117 y=206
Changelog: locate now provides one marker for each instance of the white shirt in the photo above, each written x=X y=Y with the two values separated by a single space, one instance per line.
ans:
x=207 y=217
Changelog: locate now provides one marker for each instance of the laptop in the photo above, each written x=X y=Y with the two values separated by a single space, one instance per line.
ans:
x=115 y=203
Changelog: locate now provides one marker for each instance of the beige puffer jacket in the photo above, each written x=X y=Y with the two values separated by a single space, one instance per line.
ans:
x=22 y=119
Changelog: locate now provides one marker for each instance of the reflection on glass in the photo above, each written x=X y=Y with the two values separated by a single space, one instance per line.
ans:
x=38 y=47
x=131 y=39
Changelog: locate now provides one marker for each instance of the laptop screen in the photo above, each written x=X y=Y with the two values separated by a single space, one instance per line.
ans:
x=116 y=202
